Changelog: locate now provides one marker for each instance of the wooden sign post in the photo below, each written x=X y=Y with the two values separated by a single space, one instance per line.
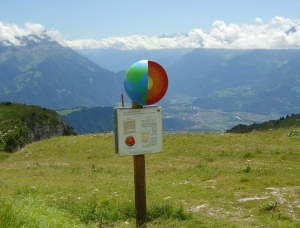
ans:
x=139 y=132
x=140 y=185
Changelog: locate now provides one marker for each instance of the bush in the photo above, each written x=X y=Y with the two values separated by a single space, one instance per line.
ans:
x=16 y=140
x=6 y=103
x=11 y=144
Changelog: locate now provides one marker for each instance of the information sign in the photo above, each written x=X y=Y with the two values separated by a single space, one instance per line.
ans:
x=138 y=131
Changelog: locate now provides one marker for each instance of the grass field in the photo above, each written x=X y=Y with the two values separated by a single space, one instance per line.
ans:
x=200 y=180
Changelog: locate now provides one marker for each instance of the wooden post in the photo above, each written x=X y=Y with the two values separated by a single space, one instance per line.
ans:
x=140 y=185
x=140 y=190
x=122 y=99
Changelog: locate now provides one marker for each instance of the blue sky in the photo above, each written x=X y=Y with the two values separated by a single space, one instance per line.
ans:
x=76 y=20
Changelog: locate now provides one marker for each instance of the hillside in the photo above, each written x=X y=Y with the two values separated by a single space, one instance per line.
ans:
x=200 y=180
x=290 y=121
x=89 y=120
x=257 y=81
x=120 y=60
x=21 y=124
x=47 y=74
x=100 y=119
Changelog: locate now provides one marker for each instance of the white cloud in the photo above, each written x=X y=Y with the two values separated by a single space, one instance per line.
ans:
x=258 y=20
x=134 y=42
x=259 y=35
x=10 y=33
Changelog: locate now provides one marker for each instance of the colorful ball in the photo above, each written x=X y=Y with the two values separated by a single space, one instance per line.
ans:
x=146 y=82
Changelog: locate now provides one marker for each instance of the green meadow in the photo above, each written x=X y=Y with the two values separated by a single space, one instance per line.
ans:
x=200 y=180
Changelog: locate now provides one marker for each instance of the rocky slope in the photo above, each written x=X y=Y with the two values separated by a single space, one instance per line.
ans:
x=21 y=124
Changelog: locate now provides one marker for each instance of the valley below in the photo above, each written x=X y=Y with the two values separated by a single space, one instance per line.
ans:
x=197 y=119
x=179 y=115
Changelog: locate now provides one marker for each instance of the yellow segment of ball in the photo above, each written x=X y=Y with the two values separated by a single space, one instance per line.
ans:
x=150 y=83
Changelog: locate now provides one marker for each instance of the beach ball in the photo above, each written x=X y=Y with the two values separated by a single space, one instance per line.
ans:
x=146 y=82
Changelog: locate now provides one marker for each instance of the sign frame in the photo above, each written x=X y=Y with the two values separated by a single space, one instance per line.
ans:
x=138 y=131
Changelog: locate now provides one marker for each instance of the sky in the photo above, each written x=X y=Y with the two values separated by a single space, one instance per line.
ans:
x=141 y=24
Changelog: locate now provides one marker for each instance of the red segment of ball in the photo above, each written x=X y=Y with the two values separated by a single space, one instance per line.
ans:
x=157 y=82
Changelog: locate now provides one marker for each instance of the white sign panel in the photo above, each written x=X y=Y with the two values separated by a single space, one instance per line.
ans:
x=138 y=131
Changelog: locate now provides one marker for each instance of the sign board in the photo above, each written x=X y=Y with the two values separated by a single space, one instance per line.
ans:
x=138 y=131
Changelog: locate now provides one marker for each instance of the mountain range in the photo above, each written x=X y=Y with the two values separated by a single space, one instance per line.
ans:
x=120 y=60
x=258 y=81
x=45 y=73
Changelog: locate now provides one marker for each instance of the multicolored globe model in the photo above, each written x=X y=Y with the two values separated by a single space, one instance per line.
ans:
x=146 y=82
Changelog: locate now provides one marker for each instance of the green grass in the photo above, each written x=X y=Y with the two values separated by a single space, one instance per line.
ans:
x=24 y=112
x=200 y=180
x=68 y=111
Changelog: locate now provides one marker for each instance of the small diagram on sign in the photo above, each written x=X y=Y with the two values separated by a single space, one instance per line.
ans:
x=130 y=141
x=145 y=135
